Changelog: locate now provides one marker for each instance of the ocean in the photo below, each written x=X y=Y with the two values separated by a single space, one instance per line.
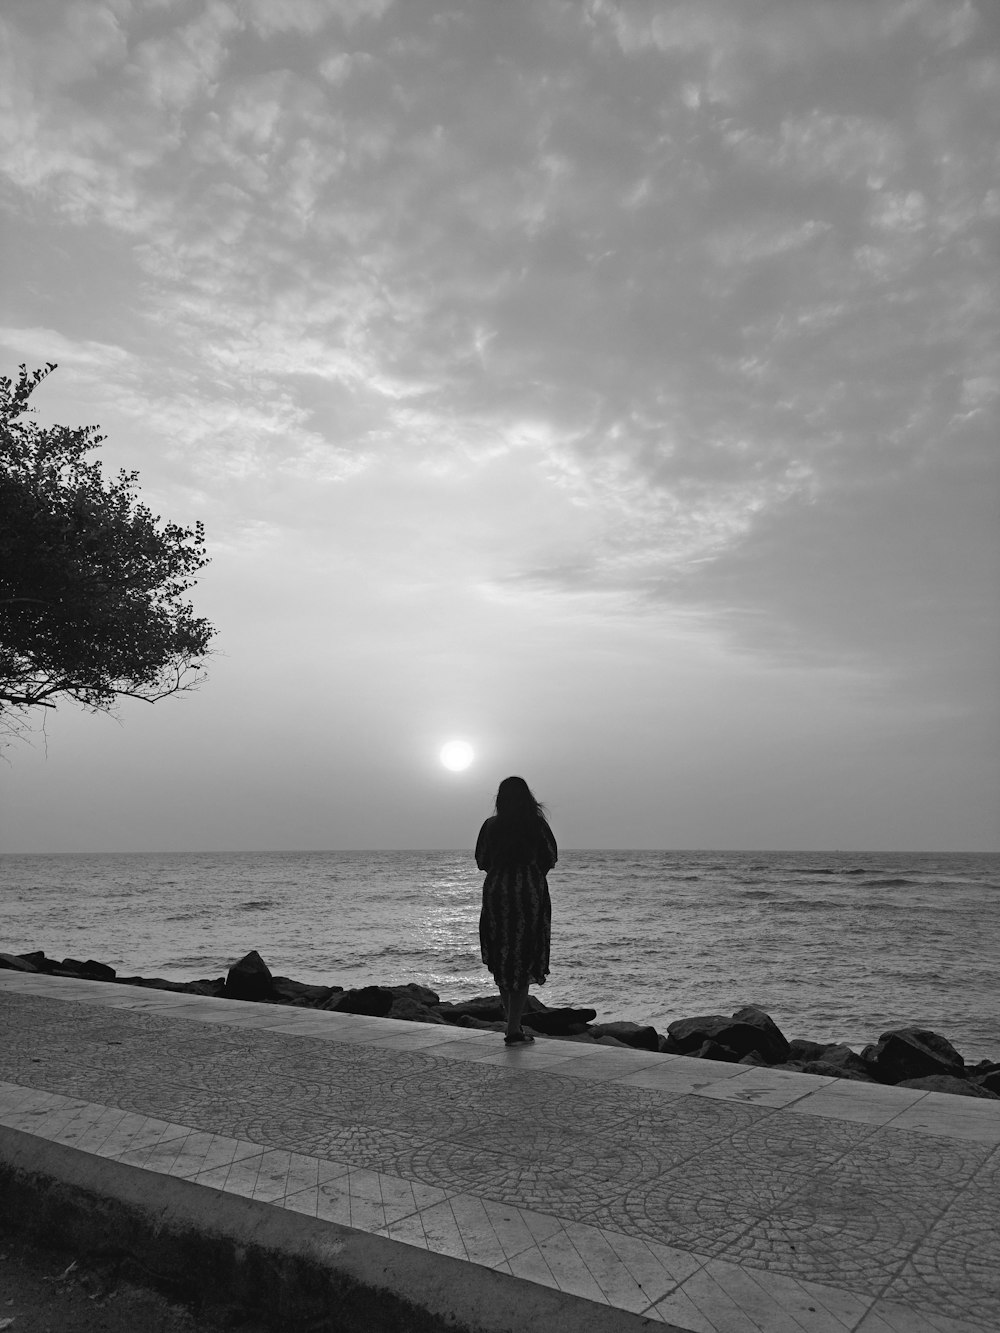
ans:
x=835 y=946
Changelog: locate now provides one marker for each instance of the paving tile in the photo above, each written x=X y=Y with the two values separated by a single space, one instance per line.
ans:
x=953 y=1117
x=764 y=1087
x=891 y=1317
x=696 y=1193
x=864 y=1103
x=731 y=1299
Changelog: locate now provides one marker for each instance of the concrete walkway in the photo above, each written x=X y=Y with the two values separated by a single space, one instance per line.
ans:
x=696 y=1195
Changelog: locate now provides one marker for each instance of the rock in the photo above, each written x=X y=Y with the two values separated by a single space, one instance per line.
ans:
x=755 y=1060
x=826 y=1069
x=482 y=1024
x=642 y=1037
x=485 y=1007
x=374 y=1001
x=714 y=1050
x=847 y=1062
x=558 y=1022
x=958 y=1087
x=38 y=960
x=613 y=1041
x=799 y=1049
x=249 y=979
x=216 y=988
x=13 y=963
x=667 y=1046
x=410 y=1010
x=301 y=993
x=749 y=1029
x=97 y=971
x=905 y=1053
x=772 y=1043
x=688 y=1034
x=986 y=1075
x=411 y=990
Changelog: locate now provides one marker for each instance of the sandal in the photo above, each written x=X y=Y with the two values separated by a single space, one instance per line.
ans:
x=517 y=1038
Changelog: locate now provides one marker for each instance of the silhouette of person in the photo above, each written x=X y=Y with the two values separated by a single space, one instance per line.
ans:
x=517 y=849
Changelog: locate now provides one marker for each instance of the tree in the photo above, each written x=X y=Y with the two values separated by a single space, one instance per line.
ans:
x=91 y=583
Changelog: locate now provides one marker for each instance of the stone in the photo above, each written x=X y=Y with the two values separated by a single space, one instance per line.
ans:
x=688 y=1034
x=37 y=959
x=13 y=963
x=373 y=1001
x=249 y=979
x=612 y=1041
x=714 y=1050
x=986 y=1075
x=485 y=1007
x=410 y=1010
x=905 y=1053
x=825 y=1069
x=958 y=1087
x=557 y=1022
x=641 y=1036
x=800 y=1049
x=97 y=971
x=772 y=1043
x=300 y=993
x=841 y=1058
x=411 y=990
x=749 y=1029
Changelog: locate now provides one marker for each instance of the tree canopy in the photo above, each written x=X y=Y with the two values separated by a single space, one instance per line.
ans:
x=92 y=584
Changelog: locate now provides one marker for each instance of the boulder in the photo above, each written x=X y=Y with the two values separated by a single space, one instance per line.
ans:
x=987 y=1075
x=642 y=1037
x=958 y=1087
x=374 y=1001
x=249 y=979
x=216 y=988
x=844 y=1061
x=905 y=1053
x=714 y=1050
x=412 y=991
x=482 y=1024
x=800 y=1049
x=97 y=971
x=749 y=1029
x=771 y=1042
x=558 y=1022
x=13 y=963
x=300 y=993
x=825 y=1069
x=687 y=1034
x=485 y=1007
x=410 y=1010
x=38 y=960
x=613 y=1041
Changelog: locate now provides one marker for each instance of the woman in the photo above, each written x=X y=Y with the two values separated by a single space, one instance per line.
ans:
x=516 y=848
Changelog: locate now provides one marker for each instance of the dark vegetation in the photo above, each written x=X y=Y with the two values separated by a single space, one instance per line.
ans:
x=92 y=583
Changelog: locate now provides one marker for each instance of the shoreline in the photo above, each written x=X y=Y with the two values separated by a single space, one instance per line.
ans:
x=906 y=1056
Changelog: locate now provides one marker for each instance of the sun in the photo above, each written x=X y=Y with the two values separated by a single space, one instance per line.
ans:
x=457 y=755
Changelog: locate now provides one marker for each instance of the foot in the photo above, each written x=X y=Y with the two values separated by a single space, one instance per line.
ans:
x=517 y=1038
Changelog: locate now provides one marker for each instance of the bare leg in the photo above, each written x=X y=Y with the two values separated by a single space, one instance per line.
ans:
x=517 y=999
x=505 y=1003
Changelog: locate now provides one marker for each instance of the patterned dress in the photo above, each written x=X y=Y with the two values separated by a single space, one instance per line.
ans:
x=515 y=923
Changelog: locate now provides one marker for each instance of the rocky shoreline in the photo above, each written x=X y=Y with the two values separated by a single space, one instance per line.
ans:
x=908 y=1057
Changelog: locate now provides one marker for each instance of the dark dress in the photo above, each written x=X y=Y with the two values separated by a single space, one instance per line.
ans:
x=515 y=923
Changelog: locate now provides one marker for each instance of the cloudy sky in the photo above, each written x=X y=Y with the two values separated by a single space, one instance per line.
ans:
x=611 y=384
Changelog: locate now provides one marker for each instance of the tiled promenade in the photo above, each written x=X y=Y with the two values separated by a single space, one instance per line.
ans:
x=703 y=1196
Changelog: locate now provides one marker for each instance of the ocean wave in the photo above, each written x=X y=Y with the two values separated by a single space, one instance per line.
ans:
x=898 y=883
x=257 y=905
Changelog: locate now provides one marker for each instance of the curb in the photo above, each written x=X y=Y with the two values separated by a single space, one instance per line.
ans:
x=208 y=1248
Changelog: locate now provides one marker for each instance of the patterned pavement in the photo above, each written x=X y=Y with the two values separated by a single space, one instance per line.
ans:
x=717 y=1198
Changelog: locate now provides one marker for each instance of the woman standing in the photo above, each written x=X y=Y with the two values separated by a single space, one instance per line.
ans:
x=517 y=849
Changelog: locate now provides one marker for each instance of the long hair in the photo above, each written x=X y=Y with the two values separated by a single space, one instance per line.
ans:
x=519 y=816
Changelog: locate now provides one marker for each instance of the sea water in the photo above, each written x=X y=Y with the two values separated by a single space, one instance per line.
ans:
x=835 y=946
